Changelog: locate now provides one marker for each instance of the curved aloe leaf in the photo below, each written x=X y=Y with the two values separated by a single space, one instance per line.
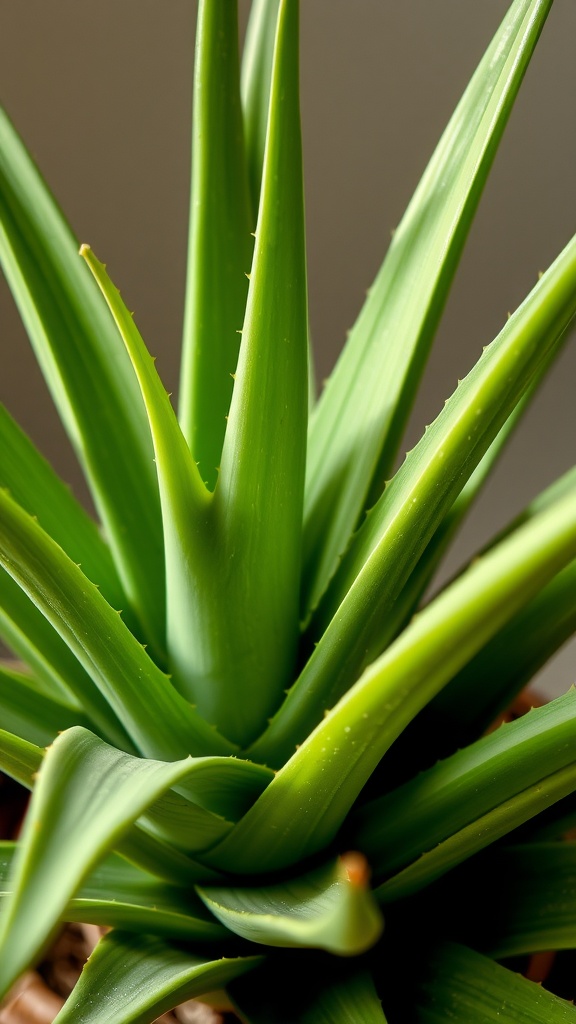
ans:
x=86 y=797
x=314 y=995
x=395 y=829
x=35 y=642
x=257 y=60
x=139 y=977
x=119 y=895
x=330 y=909
x=160 y=722
x=220 y=243
x=311 y=795
x=88 y=373
x=258 y=500
x=379 y=562
x=465 y=987
x=363 y=411
x=36 y=487
x=31 y=714
x=488 y=828
x=535 y=886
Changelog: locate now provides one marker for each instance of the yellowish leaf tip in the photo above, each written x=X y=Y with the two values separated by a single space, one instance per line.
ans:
x=84 y=250
x=355 y=868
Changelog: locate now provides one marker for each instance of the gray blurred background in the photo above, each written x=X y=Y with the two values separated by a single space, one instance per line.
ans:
x=101 y=92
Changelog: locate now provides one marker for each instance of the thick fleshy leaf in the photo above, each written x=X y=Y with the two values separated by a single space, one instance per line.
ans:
x=34 y=641
x=379 y=562
x=119 y=895
x=132 y=979
x=86 y=797
x=88 y=373
x=20 y=759
x=220 y=243
x=311 y=795
x=363 y=411
x=396 y=829
x=30 y=713
x=330 y=908
x=258 y=500
x=318 y=993
x=465 y=987
x=534 y=888
x=160 y=722
x=36 y=487
x=256 y=78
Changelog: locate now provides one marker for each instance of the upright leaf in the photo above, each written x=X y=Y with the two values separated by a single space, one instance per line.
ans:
x=258 y=500
x=88 y=373
x=220 y=245
x=256 y=78
x=380 y=560
x=363 y=411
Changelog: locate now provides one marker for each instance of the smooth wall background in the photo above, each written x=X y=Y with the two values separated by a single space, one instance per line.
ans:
x=102 y=94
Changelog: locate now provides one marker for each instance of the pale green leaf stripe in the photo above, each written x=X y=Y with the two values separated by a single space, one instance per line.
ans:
x=24 y=628
x=185 y=501
x=159 y=721
x=311 y=795
x=256 y=77
x=90 y=378
x=132 y=979
x=220 y=241
x=87 y=795
x=395 y=829
x=330 y=908
x=21 y=760
x=36 y=487
x=346 y=995
x=379 y=562
x=362 y=413
x=259 y=495
x=478 y=834
x=464 y=987
x=30 y=713
x=119 y=895
x=535 y=886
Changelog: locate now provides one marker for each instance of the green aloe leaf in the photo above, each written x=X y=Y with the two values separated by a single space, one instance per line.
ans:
x=257 y=61
x=465 y=987
x=379 y=563
x=19 y=758
x=311 y=795
x=35 y=642
x=132 y=979
x=30 y=713
x=162 y=859
x=88 y=373
x=119 y=895
x=488 y=828
x=363 y=411
x=36 y=487
x=330 y=908
x=220 y=243
x=316 y=994
x=535 y=887
x=86 y=797
x=259 y=495
x=397 y=828
x=160 y=722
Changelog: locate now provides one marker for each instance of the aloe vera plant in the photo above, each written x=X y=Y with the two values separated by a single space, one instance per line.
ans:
x=233 y=697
